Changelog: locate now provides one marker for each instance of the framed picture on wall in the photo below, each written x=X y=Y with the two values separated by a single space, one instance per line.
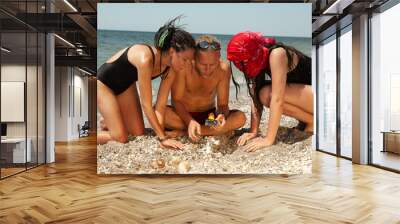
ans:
x=194 y=93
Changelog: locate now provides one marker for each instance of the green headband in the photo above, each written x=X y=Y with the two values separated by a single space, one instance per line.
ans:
x=162 y=38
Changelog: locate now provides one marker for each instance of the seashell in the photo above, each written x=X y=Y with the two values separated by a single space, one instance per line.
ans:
x=175 y=161
x=208 y=148
x=154 y=164
x=183 y=167
x=160 y=163
x=157 y=163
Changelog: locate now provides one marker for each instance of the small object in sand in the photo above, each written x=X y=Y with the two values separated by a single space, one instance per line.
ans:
x=118 y=164
x=184 y=167
x=220 y=144
x=211 y=120
x=158 y=163
x=175 y=161
x=208 y=148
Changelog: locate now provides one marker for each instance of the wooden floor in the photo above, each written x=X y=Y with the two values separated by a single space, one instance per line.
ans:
x=70 y=191
x=5 y=172
x=10 y=171
x=387 y=159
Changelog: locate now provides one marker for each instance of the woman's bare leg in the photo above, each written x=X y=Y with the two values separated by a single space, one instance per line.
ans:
x=109 y=109
x=131 y=111
x=299 y=100
x=299 y=114
x=301 y=96
x=173 y=122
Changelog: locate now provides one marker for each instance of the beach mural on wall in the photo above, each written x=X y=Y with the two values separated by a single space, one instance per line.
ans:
x=229 y=151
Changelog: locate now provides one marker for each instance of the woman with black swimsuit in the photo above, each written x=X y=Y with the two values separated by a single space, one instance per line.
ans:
x=117 y=97
x=278 y=77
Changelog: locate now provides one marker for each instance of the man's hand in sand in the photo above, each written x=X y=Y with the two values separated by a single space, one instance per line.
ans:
x=258 y=143
x=171 y=143
x=245 y=137
x=194 y=130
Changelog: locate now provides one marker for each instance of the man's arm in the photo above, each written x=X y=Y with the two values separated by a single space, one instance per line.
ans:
x=223 y=91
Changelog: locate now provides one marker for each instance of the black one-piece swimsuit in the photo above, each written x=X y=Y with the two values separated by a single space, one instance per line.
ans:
x=301 y=74
x=120 y=74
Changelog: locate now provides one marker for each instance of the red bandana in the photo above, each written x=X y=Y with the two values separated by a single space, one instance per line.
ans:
x=248 y=52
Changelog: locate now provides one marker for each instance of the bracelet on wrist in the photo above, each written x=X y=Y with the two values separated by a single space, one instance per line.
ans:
x=161 y=139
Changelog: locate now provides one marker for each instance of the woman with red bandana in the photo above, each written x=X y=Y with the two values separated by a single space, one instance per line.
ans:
x=278 y=77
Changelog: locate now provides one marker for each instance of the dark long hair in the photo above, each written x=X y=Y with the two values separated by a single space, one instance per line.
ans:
x=172 y=36
x=259 y=81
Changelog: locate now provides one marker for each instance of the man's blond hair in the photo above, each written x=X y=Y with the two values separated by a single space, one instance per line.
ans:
x=208 y=38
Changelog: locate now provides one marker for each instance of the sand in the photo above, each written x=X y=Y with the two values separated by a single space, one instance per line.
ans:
x=211 y=155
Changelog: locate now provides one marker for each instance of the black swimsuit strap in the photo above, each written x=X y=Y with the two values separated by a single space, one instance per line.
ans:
x=125 y=54
x=152 y=53
x=153 y=56
x=287 y=55
x=166 y=69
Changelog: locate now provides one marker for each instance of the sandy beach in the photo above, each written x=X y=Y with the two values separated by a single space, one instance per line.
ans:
x=211 y=155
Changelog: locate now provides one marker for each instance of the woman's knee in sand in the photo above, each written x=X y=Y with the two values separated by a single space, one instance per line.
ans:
x=239 y=118
x=120 y=137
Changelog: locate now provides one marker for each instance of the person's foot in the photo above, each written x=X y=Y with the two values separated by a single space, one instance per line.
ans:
x=300 y=126
x=175 y=133
x=309 y=128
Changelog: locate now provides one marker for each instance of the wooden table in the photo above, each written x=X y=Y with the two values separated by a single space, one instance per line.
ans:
x=391 y=141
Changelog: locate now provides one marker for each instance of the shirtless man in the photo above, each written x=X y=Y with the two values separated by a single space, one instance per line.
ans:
x=200 y=89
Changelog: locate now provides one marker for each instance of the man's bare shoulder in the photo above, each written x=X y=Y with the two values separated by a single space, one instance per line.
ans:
x=225 y=69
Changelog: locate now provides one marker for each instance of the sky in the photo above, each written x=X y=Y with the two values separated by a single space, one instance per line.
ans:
x=291 y=19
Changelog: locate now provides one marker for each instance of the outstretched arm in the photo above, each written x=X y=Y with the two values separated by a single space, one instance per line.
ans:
x=145 y=88
x=279 y=68
x=256 y=112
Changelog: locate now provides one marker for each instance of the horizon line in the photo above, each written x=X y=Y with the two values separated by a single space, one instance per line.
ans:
x=196 y=33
